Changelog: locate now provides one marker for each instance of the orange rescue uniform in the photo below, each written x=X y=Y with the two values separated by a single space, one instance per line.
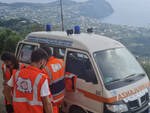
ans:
x=7 y=72
x=55 y=69
x=7 y=76
x=27 y=86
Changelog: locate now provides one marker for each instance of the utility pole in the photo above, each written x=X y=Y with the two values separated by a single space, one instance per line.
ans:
x=62 y=18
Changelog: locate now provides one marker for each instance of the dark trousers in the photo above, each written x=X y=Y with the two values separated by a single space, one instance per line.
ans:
x=9 y=107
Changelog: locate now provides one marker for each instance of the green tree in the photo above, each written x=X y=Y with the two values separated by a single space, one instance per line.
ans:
x=8 y=40
x=2 y=38
x=11 y=43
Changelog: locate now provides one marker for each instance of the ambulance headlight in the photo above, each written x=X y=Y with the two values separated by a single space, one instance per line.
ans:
x=117 y=108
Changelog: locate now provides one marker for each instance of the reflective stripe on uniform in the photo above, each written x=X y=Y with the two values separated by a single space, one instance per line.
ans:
x=57 y=86
x=35 y=88
x=57 y=80
x=49 y=72
x=35 y=92
x=5 y=68
x=26 y=100
x=16 y=75
x=61 y=62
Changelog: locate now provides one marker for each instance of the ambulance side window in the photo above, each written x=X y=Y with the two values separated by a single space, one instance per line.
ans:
x=52 y=49
x=80 y=65
x=25 y=53
x=59 y=52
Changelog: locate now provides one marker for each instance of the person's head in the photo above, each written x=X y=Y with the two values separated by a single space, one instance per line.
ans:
x=10 y=60
x=47 y=50
x=39 y=58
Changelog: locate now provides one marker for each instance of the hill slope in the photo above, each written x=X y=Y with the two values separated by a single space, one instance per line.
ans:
x=50 y=12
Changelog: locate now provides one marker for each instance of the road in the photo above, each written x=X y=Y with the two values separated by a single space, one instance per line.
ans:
x=2 y=107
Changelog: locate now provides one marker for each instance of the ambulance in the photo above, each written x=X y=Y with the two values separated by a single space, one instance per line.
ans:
x=109 y=78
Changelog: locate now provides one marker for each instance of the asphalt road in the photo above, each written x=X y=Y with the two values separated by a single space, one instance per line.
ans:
x=2 y=107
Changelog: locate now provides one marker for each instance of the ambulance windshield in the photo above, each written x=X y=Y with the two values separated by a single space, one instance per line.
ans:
x=117 y=64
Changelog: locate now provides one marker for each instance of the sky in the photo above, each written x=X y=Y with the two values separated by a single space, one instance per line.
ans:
x=34 y=1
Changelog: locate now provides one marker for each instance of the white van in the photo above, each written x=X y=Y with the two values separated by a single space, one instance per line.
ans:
x=110 y=80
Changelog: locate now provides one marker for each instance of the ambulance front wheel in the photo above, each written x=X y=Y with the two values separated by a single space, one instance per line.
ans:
x=76 y=109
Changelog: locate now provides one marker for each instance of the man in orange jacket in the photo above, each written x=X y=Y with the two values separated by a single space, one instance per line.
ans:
x=10 y=64
x=31 y=93
x=55 y=69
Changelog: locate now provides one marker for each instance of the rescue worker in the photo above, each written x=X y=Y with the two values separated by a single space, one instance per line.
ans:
x=10 y=64
x=31 y=93
x=55 y=69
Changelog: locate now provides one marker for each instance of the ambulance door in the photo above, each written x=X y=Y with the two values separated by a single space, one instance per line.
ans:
x=24 y=51
x=89 y=90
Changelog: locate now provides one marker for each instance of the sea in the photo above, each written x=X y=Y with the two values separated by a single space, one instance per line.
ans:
x=129 y=12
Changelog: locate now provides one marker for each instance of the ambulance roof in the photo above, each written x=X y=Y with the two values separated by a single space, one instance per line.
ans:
x=84 y=41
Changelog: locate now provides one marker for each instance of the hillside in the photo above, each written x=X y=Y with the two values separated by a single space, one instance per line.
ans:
x=50 y=12
x=96 y=9
x=21 y=25
x=136 y=39
x=86 y=14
